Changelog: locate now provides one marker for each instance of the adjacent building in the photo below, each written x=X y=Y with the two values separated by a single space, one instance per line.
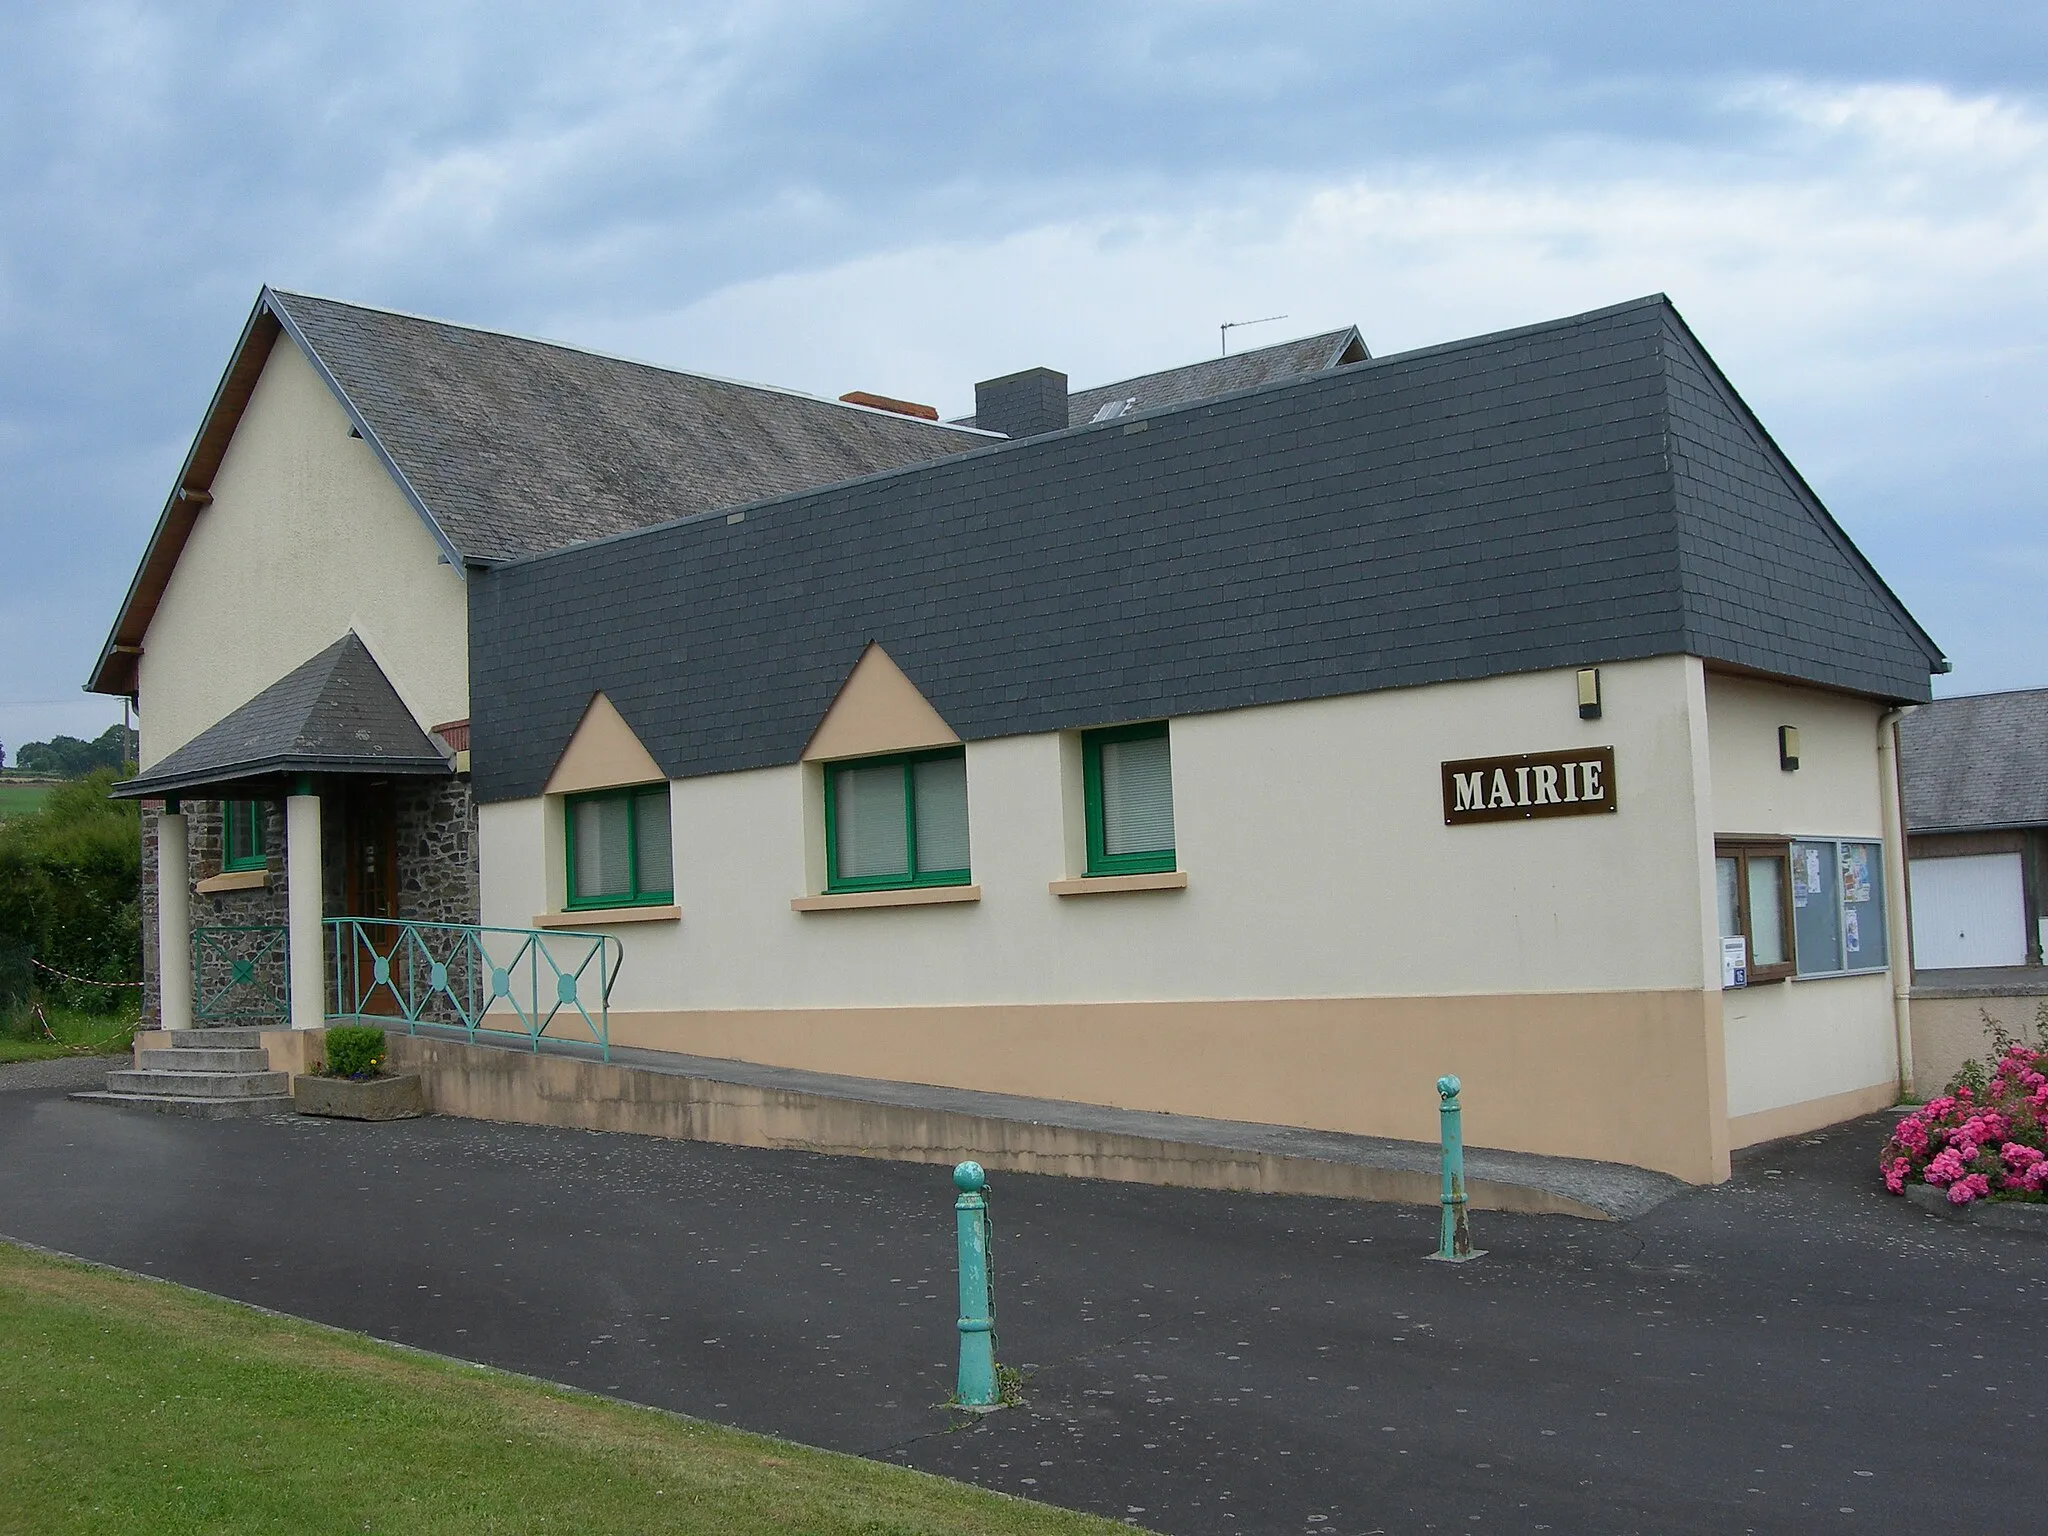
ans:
x=1975 y=774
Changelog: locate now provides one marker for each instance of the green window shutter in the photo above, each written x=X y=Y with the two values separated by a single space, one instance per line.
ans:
x=896 y=821
x=873 y=834
x=939 y=800
x=653 y=851
x=619 y=847
x=1127 y=773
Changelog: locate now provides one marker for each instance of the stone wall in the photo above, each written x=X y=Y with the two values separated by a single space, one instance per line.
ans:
x=437 y=852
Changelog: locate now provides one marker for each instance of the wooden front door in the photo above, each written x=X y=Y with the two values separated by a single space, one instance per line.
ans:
x=369 y=840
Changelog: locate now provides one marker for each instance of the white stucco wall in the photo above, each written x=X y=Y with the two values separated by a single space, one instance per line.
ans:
x=1312 y=835
x=307 y=537
x=1790 y=1042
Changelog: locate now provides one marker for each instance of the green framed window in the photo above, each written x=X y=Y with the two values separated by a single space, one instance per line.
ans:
x=241 y=835
x=1127 y=773
x=896 y=822
x=619 y=848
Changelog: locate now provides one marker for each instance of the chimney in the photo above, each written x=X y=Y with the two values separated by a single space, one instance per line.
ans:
x=1027 y=404
x=889 y=403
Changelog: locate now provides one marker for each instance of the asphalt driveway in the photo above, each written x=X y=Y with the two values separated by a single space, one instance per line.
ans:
x=1793 y=1351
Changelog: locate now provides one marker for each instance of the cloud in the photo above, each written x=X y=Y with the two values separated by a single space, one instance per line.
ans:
x=1870 y=265
x=1844 y=198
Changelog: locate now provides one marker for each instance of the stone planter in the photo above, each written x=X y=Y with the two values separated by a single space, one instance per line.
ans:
x=2006 y=1215
x=375 y=1098
x=2011 y=1215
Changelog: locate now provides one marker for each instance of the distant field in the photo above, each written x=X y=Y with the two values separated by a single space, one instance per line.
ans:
x=20 y=799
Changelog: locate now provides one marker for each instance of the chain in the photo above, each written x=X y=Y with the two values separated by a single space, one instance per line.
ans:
x=83 y=981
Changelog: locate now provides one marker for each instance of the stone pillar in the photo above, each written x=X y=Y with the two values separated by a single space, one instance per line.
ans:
x=173 y=920
x=303 y=907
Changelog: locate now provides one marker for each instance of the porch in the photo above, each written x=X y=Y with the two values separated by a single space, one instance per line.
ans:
x=314 y=860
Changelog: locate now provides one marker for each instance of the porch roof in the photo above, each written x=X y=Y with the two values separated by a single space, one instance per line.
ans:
x=336 y=713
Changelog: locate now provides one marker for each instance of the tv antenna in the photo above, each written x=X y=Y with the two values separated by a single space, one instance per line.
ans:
x=1223 y=331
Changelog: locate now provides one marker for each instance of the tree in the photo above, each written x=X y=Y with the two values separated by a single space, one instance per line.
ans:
x=67 y=757
x=70 y=886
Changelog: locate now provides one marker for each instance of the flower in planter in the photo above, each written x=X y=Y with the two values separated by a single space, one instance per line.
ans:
x=1979 y=1142
x=355 y=1052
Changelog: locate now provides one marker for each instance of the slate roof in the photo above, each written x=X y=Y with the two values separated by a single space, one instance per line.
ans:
x=1584 y=491
x=1976 y=764
x=1217 y=375
x=507 y=446
x=336 y=713
x=516 y=446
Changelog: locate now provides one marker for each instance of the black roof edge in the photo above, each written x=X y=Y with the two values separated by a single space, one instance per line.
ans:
x=256 y=312
x=1114 y=424
x=144 y=786
x=1937 y=659
x=1959 y=829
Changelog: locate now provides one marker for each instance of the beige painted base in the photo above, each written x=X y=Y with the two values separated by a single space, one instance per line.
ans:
x=1950 y=1030
x=295 y=1050
x=480 y=1083
x=1797 y=1119
x=1630 y=1077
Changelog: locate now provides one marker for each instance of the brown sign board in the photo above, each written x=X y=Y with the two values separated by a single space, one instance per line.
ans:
x=1578 y=782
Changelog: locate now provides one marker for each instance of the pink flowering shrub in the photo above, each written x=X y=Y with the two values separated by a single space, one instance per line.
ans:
x=1988 y=1142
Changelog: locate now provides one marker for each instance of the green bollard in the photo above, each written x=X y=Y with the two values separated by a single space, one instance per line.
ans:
x=976 y=1388
x=1454 y=1243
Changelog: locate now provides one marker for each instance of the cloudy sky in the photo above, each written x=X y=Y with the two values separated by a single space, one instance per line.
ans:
x=1849 y=202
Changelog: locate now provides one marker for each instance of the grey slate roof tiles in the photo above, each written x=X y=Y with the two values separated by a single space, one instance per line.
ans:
x=1216 y=376
x=518 y=446
x=1573 y=493
x=335 y=713
x=1978 y=763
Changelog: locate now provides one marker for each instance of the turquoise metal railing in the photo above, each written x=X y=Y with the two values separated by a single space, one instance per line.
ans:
x=241 y=976
x=483 y=981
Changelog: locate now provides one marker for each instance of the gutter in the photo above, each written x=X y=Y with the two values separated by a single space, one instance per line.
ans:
x=1900 y=948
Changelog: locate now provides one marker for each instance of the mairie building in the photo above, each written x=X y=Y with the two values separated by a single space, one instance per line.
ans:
x=1257 y=740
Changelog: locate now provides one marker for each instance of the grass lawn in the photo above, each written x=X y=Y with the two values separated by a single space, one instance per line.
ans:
x=20 y=799
x=133 y=1406
x=22 y=1037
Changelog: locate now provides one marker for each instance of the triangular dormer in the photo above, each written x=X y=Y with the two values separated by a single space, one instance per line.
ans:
x=878 y=709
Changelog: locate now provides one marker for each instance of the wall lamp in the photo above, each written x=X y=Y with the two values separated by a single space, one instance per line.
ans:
x=1589 y=693
x=1788 y=748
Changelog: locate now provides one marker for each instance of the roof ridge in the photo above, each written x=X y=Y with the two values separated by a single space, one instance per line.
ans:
x=1203 y=362
x=1121 y=423
x=788 y=391
x=1988 y=694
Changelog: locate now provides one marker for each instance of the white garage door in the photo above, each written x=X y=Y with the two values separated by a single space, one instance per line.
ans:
x=1969 y=911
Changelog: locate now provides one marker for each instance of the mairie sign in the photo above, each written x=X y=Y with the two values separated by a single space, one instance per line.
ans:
x=1579 y=782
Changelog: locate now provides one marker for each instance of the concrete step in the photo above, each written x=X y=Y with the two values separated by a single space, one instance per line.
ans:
x=216 y=1039
x=204 y=1109
x=199 y=1059
x=201 y=1085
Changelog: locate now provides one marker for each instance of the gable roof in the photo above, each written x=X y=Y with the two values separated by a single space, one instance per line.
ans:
x=1977 y=763
x=507 y=446
x=1216 y=376
x=335 y=713
x=1581 y=491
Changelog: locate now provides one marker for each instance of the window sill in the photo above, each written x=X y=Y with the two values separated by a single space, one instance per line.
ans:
x=912 y=896
x=233 y=880
x=1109 y=885
x=606 y=917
